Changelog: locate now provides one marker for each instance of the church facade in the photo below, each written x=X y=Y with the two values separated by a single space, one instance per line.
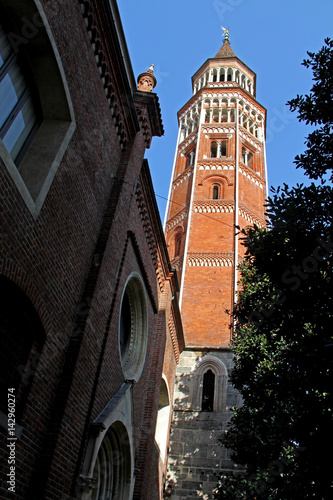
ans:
x=218 y=187
x=90 y=324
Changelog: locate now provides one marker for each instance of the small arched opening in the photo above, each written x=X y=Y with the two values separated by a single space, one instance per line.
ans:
x=215 y=192
x=208 y=389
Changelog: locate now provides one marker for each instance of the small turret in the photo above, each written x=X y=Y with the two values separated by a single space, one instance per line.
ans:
x=147 y=80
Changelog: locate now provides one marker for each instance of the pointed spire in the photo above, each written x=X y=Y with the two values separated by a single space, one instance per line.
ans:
x=225 y=51
x=147 y=81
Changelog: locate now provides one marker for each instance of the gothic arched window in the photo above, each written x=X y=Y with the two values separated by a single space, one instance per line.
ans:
x=208 y=391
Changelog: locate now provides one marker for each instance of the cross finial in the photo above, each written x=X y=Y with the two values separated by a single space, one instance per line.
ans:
x=225 y=33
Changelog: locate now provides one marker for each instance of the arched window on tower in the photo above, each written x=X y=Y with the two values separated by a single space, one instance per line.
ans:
x=178 y=243
x=215 y=192
x=208 y=391
x=213 y=150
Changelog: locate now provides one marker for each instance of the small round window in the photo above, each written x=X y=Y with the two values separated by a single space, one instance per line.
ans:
x=133 y=328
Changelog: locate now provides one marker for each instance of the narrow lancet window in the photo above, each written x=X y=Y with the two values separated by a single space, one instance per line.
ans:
x=208 y=391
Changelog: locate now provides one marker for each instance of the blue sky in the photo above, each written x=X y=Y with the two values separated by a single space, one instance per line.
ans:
x=271 y=37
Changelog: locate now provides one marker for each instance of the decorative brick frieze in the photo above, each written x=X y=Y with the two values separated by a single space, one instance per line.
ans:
x=211 y=206
x=244 y=134
x=210 y=259
x=251 y=217
x=185 y=175
x=186 y=142
x=120 y=111
x=176 y=219
x=174 y=339
x=218 y=129
x=215 y=165
x=150 y=237
x=252 y=176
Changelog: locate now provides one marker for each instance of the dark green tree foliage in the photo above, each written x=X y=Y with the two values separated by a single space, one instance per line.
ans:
x=317 y=108
x=283 y=434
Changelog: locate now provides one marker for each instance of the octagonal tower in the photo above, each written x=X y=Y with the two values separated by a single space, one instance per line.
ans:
x=218 y=183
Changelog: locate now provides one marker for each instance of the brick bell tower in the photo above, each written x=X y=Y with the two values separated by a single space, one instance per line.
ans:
x=218 y=183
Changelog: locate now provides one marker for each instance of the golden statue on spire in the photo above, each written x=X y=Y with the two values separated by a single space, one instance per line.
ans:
x=225 y=33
